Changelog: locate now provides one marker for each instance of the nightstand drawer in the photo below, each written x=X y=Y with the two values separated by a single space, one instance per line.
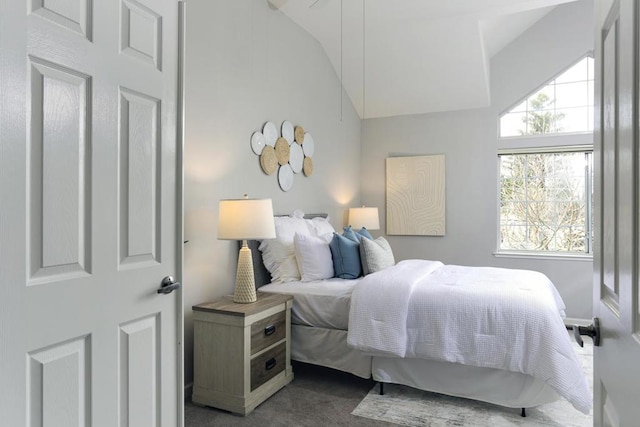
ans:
x=268 y=365
x=268 y=331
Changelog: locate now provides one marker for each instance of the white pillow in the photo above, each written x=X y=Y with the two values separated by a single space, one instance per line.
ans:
x=320 y=226
x=375 y=255
x=278 y=254
x=313 y=257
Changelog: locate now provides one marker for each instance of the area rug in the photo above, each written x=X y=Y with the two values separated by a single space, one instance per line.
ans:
x=407 y=406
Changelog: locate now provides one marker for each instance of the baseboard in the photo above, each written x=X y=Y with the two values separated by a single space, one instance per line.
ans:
x=570 y=321
x=188 y=391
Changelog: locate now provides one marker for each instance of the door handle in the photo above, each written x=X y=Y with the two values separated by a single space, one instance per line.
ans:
x=168 y=285
x=592 y=330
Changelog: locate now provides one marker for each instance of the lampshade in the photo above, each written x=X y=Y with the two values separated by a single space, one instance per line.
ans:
x=364 y=217
x=246 y=219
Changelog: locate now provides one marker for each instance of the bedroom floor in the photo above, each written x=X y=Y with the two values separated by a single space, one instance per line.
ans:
x=325 y=397
x=316 y=397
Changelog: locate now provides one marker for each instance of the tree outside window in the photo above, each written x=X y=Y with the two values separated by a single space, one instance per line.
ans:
x=543 y=202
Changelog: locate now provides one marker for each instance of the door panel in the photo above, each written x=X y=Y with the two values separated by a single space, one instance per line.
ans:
x=59 y=384
x=140 y=209
x=90 y=182
x=59 y=174
x=617 y=197
x=139 y=368
x=610 y=285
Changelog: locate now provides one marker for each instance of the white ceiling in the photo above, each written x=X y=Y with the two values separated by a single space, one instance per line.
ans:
x=421 y=56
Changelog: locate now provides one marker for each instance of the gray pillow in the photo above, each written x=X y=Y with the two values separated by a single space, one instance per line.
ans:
x=375 y=255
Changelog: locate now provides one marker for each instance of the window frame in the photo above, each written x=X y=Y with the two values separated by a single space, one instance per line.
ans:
x=525 y=99
x=589 y=169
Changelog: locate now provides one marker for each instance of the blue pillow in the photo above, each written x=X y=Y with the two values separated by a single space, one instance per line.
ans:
x=356 y=236
x=346 y=257
x=365 y=233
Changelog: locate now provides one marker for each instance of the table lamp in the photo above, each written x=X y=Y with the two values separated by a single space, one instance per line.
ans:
x=245 y=219
x=364 y=217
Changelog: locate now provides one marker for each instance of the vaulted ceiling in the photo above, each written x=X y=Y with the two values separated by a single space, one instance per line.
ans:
x=397 y=57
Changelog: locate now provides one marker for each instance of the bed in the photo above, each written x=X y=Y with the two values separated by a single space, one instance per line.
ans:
x=377 y=326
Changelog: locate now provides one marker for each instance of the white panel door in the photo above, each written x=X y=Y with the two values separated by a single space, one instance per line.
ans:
x=617 y=186
x=91 y=213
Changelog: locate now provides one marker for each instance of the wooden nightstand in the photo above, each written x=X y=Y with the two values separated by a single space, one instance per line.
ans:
x=241 y=351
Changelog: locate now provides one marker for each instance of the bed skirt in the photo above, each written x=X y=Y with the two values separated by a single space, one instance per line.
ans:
x=504 y=388
x=328 y=348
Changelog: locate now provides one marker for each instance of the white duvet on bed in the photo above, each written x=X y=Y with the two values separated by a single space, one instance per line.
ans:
x=489 y=317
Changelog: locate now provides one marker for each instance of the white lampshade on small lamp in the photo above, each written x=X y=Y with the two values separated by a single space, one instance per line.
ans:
x=245 y=219
x=364 y=217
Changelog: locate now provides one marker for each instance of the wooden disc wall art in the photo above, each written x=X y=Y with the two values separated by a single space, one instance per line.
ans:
x=289 y=151
x=282 y=151
x=268 y=160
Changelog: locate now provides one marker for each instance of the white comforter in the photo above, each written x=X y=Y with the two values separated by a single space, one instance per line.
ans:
x=489 y=317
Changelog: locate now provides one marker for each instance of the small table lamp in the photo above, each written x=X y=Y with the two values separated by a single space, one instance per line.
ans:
x=245 y=219
x=364 y=217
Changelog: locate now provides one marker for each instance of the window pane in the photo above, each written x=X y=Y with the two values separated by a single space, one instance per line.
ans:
x=513 y=124
x=513 y=213
x=542 y=99
x=578 y=72
x=548 y=109
x=590 y=68
x=573 y=119
x=520 y=107
x=513 y=238
x=543 y=202
x=572 y=94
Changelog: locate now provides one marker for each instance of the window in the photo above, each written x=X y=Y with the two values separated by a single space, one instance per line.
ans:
x=564 y=105
x=545 y=202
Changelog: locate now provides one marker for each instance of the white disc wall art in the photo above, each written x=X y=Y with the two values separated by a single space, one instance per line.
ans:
x=270 y=132
x=285 y=177
x=308 y=145
x=296 y=158
x=287 y=131
x=258 y=142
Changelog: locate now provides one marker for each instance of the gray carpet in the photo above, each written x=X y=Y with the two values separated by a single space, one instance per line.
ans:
x=415 y=408
x=316 y=397
x=325 y=397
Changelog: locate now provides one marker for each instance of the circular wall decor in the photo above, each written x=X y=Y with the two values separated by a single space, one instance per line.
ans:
x=270 y=132
x=299 y=134
x=268 y=160
x=287 y=150
x=287 y=131
x=296 y=157
x=258 y=142
x=285 y=177
x=307 y=168
x=308 y=145
x=282 y=151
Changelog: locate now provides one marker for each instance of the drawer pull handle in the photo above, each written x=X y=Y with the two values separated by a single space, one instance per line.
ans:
x=269 y=364
x=269 y=330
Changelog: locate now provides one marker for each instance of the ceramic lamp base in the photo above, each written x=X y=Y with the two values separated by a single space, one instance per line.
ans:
x=245 y=291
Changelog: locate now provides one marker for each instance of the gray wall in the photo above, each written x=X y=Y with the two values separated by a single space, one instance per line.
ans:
x=247 y=64
x=469 y=141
